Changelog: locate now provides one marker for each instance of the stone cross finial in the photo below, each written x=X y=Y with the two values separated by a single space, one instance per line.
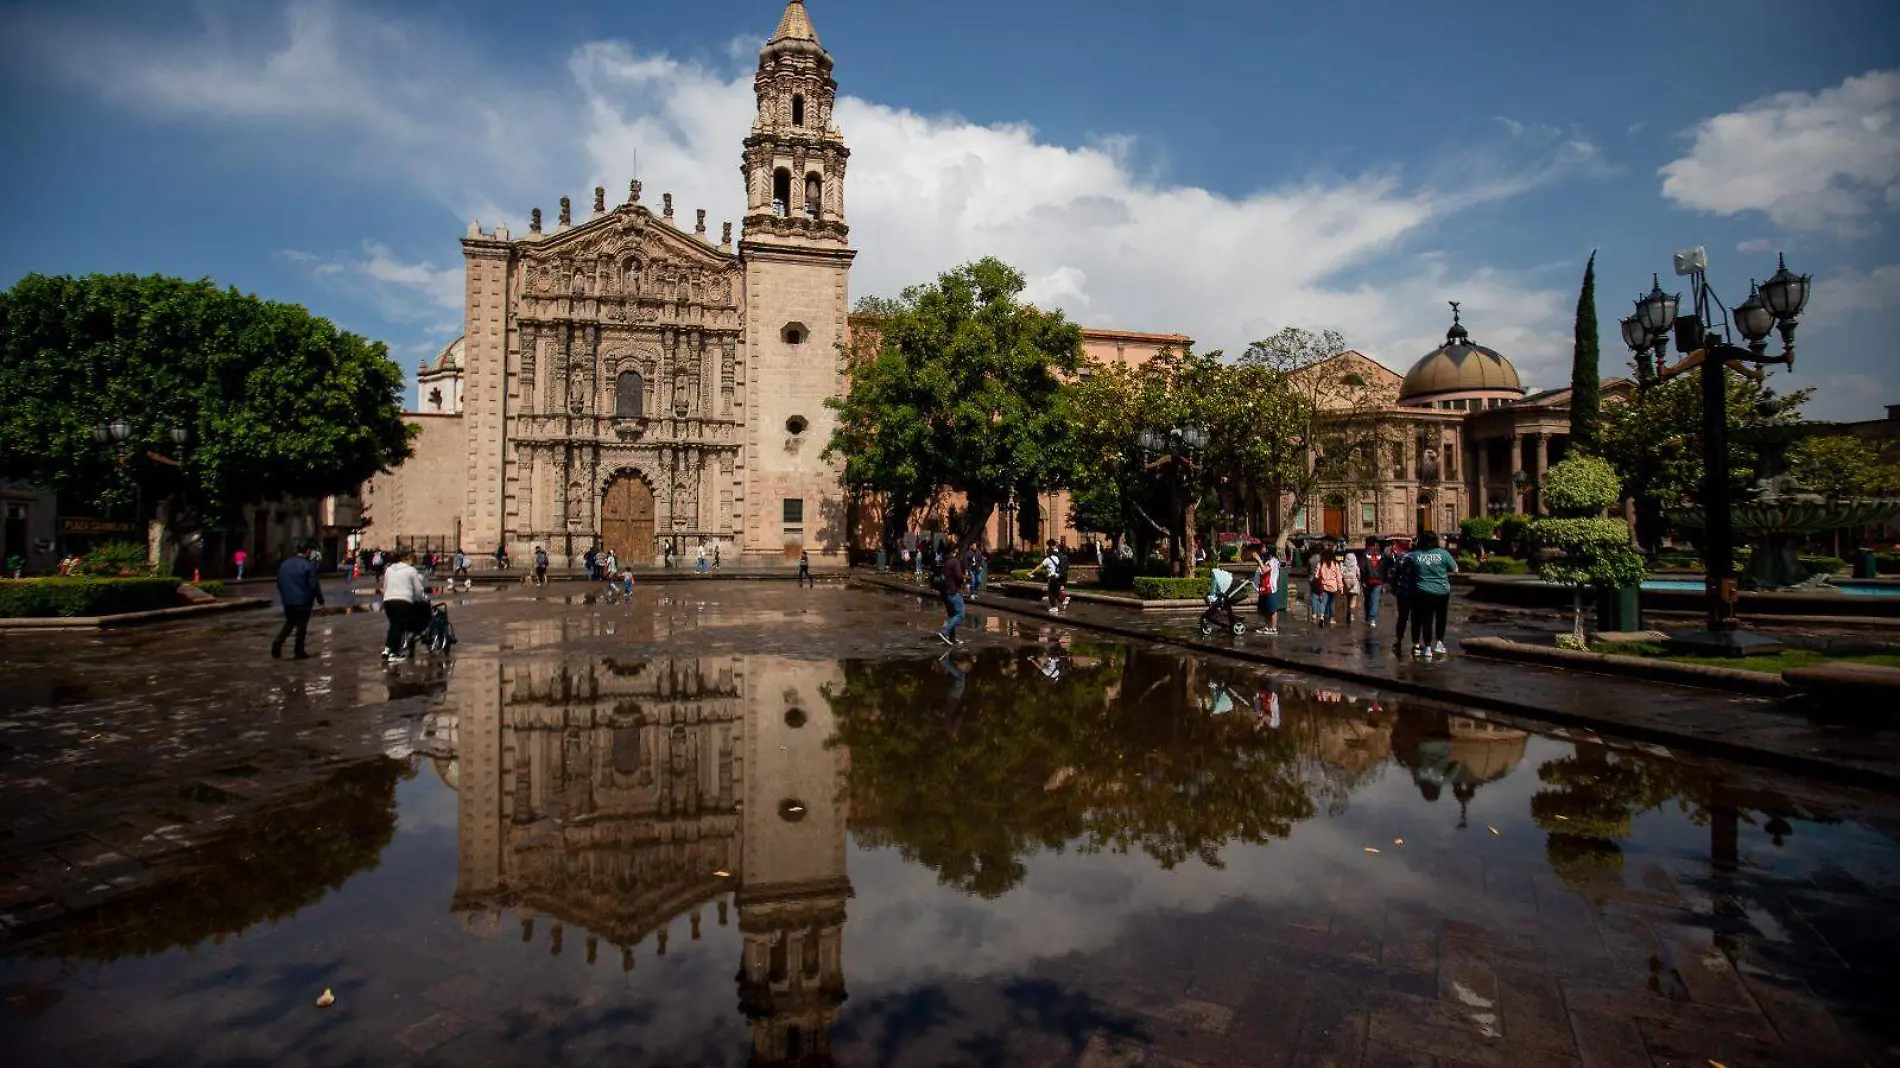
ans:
x=667 y=200
x=725 y=234
x=700 y=226
x=600 y=200
x=633 y=191
x=567 y=212
x=534 y=221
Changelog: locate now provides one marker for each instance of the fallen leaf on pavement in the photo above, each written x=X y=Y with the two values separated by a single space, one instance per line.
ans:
x=328 y=999
x=1369 y=849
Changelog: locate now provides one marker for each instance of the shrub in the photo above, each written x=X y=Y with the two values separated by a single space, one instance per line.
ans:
x=1150 y=588
x=116 y=559
x=1581 y=485
x=1514 y=528
x=1229 y=553
x=1503 y=565
x=84 y=596
x=211 y=587
x=1467 y=563
x=1824 y=565
x=1478 y=528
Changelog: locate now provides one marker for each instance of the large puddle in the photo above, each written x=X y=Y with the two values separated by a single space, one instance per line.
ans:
x=1029 y=853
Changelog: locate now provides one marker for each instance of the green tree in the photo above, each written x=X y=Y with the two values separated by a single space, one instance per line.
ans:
x=277 y=401
x=1583 y=548
x=1292 y=418
x=1585 y=401
x=963 y=391
x=1654 y=440
x=1842 y=466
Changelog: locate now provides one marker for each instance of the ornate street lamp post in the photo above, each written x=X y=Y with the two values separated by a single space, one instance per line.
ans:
x=1703 y=340
x=1175 y=449
x=118 y=433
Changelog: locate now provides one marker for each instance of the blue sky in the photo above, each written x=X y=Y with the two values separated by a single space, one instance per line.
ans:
x=1219 y=169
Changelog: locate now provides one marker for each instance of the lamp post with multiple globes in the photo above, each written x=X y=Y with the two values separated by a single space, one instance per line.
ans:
x=1703 y=340
x=1175 y=449
x=118 y=433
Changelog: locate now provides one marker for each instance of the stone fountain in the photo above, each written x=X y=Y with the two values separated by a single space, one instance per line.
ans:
x=1777 y=512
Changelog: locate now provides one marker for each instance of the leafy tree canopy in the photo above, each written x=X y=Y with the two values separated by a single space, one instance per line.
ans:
x=277 y=401
x=964 y=391
x=1843 y=466
x=1654 y=440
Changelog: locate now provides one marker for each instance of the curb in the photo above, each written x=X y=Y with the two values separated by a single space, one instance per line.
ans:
x=1733 y=680
x=133 y=619
x=1792 y=763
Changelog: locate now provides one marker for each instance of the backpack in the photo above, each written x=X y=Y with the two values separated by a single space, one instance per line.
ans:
x=1062 y=566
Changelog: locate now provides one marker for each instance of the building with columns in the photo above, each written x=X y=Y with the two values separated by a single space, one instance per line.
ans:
x=1465 y=438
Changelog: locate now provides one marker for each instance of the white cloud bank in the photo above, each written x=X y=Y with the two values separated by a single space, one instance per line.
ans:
x=328 y=85
x=1825 y=161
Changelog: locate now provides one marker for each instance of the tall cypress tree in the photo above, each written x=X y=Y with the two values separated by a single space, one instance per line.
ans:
x=1585 y=401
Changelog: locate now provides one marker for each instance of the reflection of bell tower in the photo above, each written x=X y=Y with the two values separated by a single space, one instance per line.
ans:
x=793 y=883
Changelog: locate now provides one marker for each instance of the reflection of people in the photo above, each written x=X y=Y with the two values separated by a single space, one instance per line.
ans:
x=1266 y=705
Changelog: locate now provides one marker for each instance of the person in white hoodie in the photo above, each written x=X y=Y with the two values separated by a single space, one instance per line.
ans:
x=406 y=603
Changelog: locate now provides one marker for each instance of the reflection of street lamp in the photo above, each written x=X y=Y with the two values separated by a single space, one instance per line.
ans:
x=1176 y=449
x=1703 y=341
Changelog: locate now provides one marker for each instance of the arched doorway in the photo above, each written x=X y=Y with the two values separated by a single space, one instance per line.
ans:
x=1333 y=515
x=626 y=518
x=1424 y=512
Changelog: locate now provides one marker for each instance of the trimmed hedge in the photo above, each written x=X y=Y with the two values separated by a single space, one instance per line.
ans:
x=1503 y=565
x=1826 y=565
x=211 y=587
x=1150 y=588
x=42 y=597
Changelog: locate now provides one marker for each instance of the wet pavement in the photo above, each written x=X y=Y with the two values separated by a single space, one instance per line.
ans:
x=1801 y=735
x=741 y=823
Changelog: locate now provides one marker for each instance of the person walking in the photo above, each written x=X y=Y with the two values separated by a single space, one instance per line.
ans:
x=1432 y=568
x=699 y=563
x=540 y=566
x=917 y=565
x=950 y=588
x=1326 y=585
x=610 y=568
x=716 y=556
x=666 y=554
x=406 y=603
x=804 y=569
x=299 y=592
x=1269 y=585
x=980 y=561
x=501 y=558
x=1374 y=580
x=240 y=558
x=1398 y=579
x=460 y=574
x=1051 y=566
x=587 y=562
x=1349 y=582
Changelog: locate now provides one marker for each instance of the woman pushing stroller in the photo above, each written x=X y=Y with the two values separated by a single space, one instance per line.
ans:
x=1223 y=594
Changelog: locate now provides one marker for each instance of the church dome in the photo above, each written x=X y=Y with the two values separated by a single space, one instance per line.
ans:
x=450 y=358
x=1459 y=366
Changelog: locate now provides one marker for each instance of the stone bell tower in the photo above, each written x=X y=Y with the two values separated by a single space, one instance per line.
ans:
x=797 y=260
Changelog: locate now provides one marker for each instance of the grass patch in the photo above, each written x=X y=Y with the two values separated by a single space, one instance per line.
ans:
x=1769 y=664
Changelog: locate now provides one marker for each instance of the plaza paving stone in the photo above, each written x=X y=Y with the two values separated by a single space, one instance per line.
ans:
x=560 y=844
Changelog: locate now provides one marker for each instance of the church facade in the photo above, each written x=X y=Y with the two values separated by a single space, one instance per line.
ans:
x=627 y=380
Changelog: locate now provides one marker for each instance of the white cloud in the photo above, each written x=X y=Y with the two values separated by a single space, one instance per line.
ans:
x=1096 y=234
x=1756 y=244
x=1823 y=161
x=1847 y=291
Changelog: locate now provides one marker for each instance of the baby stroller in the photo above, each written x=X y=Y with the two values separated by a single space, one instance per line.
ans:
x=440 y=633
x=1222 y=596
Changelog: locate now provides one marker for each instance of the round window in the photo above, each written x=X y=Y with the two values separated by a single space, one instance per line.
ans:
x=795 y=718
x=796 y=425
x=791 y=810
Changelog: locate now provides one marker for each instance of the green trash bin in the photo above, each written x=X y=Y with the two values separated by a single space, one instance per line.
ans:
x=880 y=559
x=1620 y=609
x=1865 y=565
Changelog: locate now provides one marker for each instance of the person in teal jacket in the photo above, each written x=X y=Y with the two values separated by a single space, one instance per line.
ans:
x=1430 y=568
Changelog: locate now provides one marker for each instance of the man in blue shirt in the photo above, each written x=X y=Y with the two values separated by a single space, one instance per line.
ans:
x=299 y=592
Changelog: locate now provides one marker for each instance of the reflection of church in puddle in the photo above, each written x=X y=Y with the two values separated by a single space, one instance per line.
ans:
x=1456 y=752
x=617 y=797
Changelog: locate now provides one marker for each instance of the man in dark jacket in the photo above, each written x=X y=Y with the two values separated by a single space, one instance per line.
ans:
x=299 y=592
